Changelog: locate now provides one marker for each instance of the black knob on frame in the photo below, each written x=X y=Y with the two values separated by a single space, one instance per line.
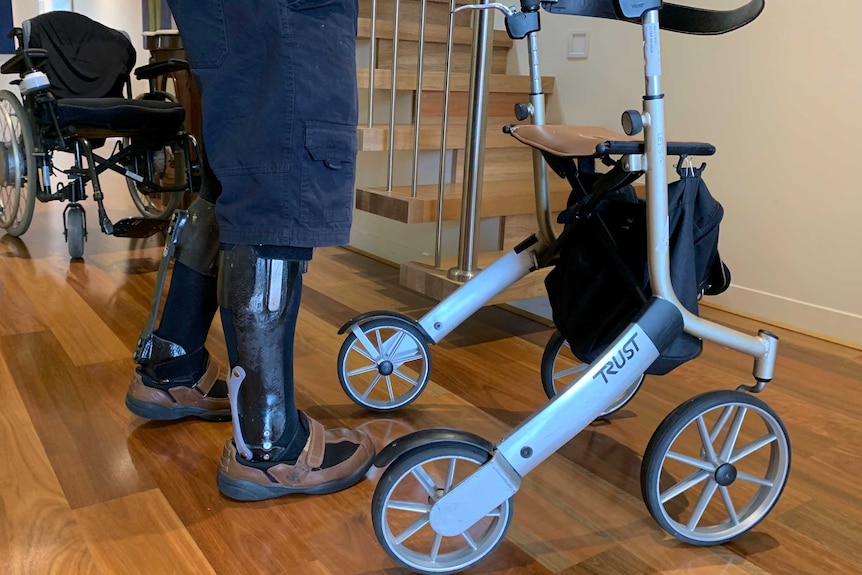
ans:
x=523 y=111
x=632 y=122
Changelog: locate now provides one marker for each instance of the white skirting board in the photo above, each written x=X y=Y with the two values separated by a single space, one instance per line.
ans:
x=830 y=324
x=818 y=321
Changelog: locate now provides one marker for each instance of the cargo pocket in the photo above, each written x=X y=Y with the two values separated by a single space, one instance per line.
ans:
x=328 y=172
x=300 y=5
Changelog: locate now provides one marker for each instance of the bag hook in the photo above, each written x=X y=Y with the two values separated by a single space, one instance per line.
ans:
x=686 y=165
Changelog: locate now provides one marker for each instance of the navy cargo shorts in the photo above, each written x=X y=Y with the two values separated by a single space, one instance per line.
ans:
x=278 y=90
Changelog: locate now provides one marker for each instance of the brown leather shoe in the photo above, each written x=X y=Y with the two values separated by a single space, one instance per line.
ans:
x=166 y=402
x=252 y=481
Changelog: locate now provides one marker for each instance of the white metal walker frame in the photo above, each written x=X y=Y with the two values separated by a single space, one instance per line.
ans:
x=451 y=510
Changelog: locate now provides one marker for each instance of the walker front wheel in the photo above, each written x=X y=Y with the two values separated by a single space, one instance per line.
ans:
x=715 y=467
x=560 y=368
x=402 y=504
x=383 y=364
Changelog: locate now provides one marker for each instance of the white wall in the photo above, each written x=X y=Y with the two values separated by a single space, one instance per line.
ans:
x=780 y=100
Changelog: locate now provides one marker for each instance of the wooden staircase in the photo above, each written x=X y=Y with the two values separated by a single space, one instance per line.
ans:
x=507 y=190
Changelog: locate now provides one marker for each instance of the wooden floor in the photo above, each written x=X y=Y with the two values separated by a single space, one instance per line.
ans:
x=86 y=487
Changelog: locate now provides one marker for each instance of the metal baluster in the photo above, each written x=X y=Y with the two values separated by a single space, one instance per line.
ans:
x=395 y=22
x=438 y=251
x=372 y=63
x=477 y=117
x=416 y=116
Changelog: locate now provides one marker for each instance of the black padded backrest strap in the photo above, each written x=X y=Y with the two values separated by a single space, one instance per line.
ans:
x=690 y=20
x=673 y=17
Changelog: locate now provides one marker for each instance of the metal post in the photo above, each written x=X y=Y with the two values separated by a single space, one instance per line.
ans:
x=537 y=117
x=392 y=95
x=418 y=100
x=438 y=250
x=372 y=63
x=477 y=119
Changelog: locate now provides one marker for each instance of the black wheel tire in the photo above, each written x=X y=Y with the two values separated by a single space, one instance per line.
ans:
x=367 y=327
x=399 y=468
x=75 y=232
x=553 y=349
x=667 y=432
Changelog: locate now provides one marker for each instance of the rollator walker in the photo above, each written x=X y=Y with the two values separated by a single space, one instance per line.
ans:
x=715 y=466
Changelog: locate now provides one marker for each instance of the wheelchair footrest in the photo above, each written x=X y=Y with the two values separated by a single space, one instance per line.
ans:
x=139 y=227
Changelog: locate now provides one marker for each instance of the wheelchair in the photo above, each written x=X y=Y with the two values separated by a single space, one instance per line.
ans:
x=74 y=78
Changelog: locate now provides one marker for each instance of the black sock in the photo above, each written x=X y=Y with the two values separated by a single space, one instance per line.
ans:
x=189 y=308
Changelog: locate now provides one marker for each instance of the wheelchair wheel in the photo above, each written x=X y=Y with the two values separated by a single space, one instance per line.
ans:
x=384 y=365
x=401 y=506
x=76 y=231
x=715 y=467
x=18 y=171
x=560 y=368
x=159 y=205
x=167 y=164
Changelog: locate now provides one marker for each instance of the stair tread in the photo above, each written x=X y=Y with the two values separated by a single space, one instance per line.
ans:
x=458 y=82
x=499 y=198
x=376 y=138
x=435 y=33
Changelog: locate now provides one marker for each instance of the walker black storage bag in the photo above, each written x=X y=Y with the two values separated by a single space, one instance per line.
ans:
x=594 y=294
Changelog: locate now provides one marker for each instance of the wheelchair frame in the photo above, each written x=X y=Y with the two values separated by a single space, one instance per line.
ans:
x=141 y=161
x=485 y=494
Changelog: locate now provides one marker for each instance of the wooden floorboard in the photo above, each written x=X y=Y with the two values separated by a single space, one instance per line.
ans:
x=140 y=533
x=38 y=532
x=86 y=487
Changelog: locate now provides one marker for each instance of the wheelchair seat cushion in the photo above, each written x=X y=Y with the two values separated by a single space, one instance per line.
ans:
x=107 y=117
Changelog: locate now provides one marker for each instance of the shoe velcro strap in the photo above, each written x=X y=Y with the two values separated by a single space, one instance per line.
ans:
x=316 y=445
x=312 y=454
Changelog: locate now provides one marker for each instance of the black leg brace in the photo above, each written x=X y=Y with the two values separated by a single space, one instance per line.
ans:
x=259 y=295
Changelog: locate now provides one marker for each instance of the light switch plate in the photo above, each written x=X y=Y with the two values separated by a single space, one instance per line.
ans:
x=579 y=44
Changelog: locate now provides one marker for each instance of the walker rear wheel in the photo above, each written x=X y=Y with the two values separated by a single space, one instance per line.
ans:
x=715 y=467
x=384 y=364
x=560 y=368
x=402 y=504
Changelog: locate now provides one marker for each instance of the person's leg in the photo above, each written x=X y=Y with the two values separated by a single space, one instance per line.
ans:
x=275 y=450
x=175 y=376
x=268 y=112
